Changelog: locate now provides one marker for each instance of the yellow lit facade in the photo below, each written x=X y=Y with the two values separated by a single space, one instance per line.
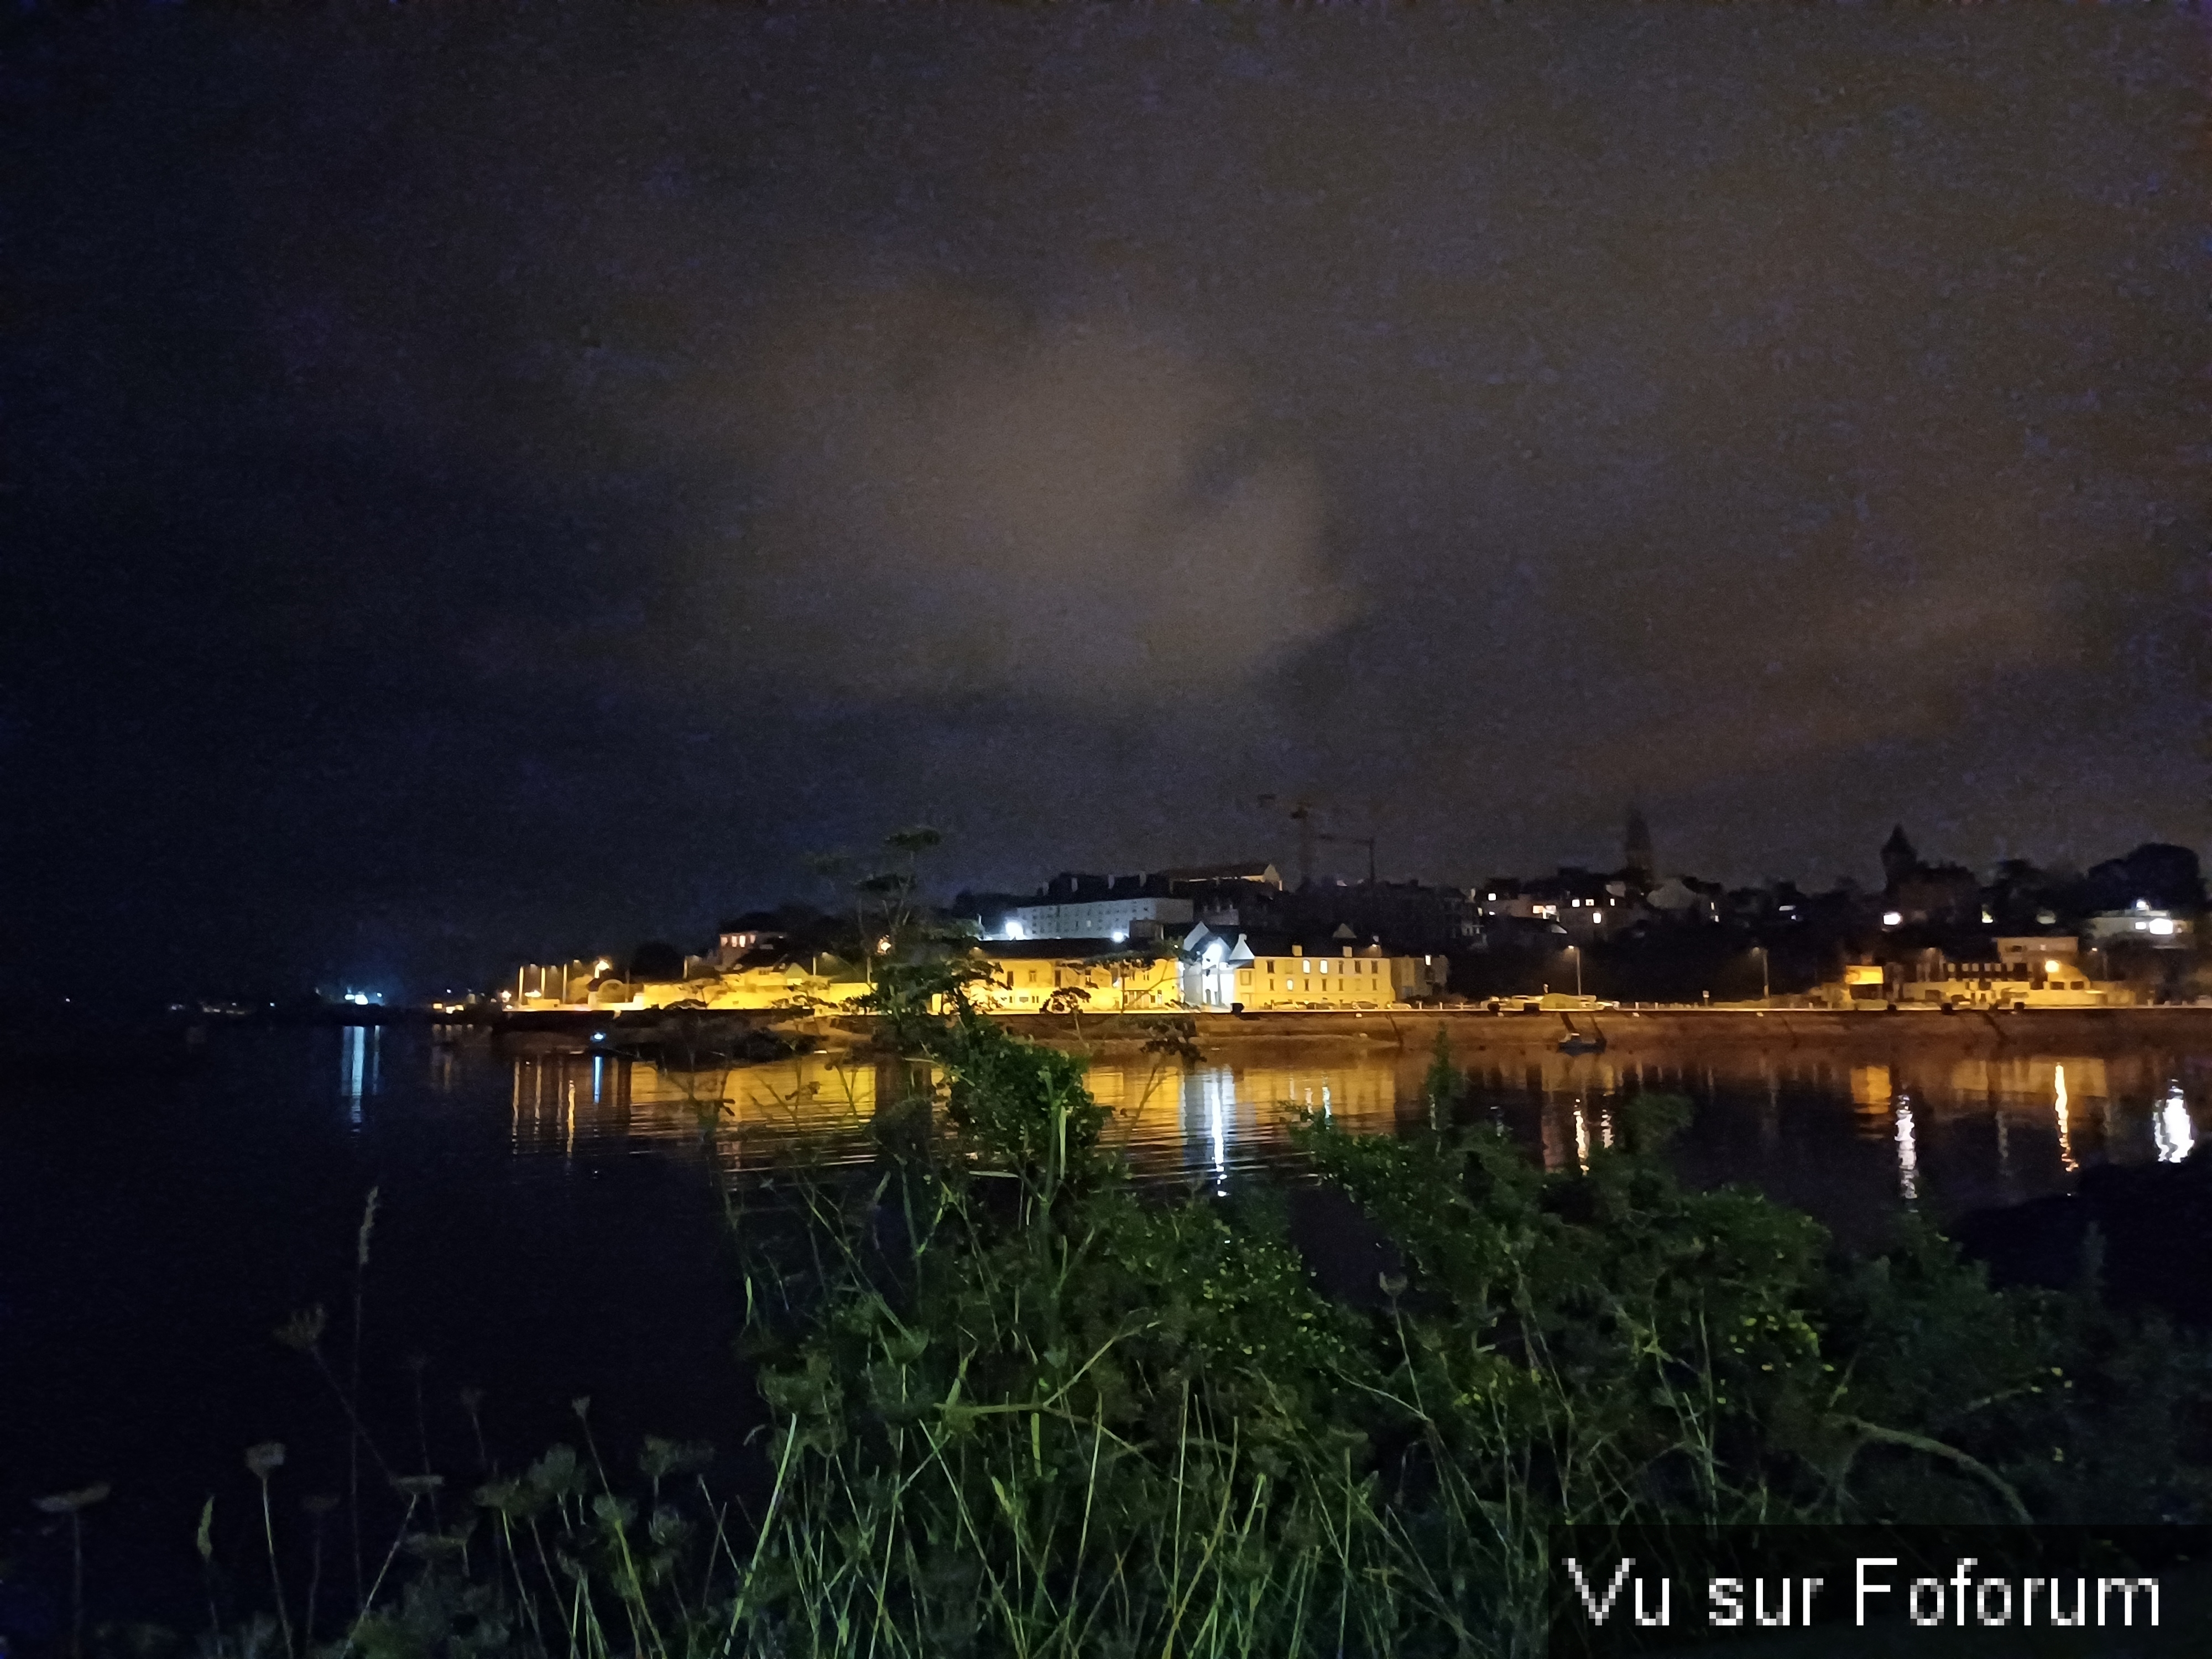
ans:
x=1350 y=979
x=2036 y=972
x=1219 y=971
x=1067 y=976
x=1216 y=971
x=1231 y=969
x=785 y=985
x=577 y=986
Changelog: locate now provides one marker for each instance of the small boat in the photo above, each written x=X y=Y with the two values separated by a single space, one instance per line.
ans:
x=1575 y=1043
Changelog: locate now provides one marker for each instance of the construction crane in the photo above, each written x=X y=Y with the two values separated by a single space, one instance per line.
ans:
x=1368 y=841
x=1301 y=812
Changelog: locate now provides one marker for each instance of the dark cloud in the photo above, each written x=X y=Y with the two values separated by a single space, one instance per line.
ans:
x=951 y=503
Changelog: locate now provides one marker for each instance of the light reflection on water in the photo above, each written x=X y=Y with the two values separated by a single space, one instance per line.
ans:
x=360 y=1049
x=1908 y=1153
x=2065 y=1121
x=2176 y=1135
x=1837 y=1137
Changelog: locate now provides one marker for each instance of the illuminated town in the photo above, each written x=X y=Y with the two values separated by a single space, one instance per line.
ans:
x=1239 y=939
x=1063 y=831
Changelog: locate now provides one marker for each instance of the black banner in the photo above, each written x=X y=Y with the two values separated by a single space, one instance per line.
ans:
x=2061 y=1591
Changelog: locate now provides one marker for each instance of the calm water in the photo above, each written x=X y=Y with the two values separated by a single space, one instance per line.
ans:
x=1853 y=1141
x=548 y=1226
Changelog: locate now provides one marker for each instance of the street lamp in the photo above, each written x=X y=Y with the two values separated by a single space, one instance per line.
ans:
x=1576 y=952
x=1766 y=983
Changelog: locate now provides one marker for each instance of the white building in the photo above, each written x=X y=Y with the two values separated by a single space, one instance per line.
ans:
x=1139 y=916
x=2141 y=924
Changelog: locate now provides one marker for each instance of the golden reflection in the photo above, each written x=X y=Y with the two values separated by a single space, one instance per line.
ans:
x=1554 y=1144
x=2065 y=1126
x=1870 y=1086
x=1874 y=1097
x=558 y=1102
x=1237 y=1108
x=2029 y=1077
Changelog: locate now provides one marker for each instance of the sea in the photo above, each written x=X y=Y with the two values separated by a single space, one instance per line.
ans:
x=547 y=1233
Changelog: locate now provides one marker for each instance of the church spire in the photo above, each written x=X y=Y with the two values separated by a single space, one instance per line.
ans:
x=1639 y=862
x=1899 y=860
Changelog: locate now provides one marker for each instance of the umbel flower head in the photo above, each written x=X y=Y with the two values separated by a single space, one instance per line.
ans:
x=303 y=1330
x=265 y=1459
x=70 y=1502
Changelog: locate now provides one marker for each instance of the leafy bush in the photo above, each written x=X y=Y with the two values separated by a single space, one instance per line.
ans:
x=1041 y=1415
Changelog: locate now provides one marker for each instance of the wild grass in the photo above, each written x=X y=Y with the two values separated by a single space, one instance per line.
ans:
x=1018 y=1409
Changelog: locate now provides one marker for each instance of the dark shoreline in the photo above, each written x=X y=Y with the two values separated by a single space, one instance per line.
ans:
x=2073 y=1030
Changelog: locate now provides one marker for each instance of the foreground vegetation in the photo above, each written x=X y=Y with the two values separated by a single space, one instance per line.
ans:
x=1018 y=1409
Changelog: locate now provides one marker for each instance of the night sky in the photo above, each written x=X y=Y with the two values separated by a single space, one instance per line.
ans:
x=509 y=480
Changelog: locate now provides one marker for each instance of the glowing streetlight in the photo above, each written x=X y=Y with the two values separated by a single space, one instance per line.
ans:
x=1766 y=983
x=1576 y=952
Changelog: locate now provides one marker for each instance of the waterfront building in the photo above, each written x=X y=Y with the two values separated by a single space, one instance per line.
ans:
x=786 y=983
x=1074 y=976
x=2023 y=971
x=736 y=940
x=1915 y=892
x=1580 y=903
x=1261 y=972
x=1227 y=895
x=1149 y=906
x=2141 y=923
x=1214 y=969
x=1686 y=899
x=1198 y=877
x=766 y=980
x=1130 y=916
x=558 y=984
